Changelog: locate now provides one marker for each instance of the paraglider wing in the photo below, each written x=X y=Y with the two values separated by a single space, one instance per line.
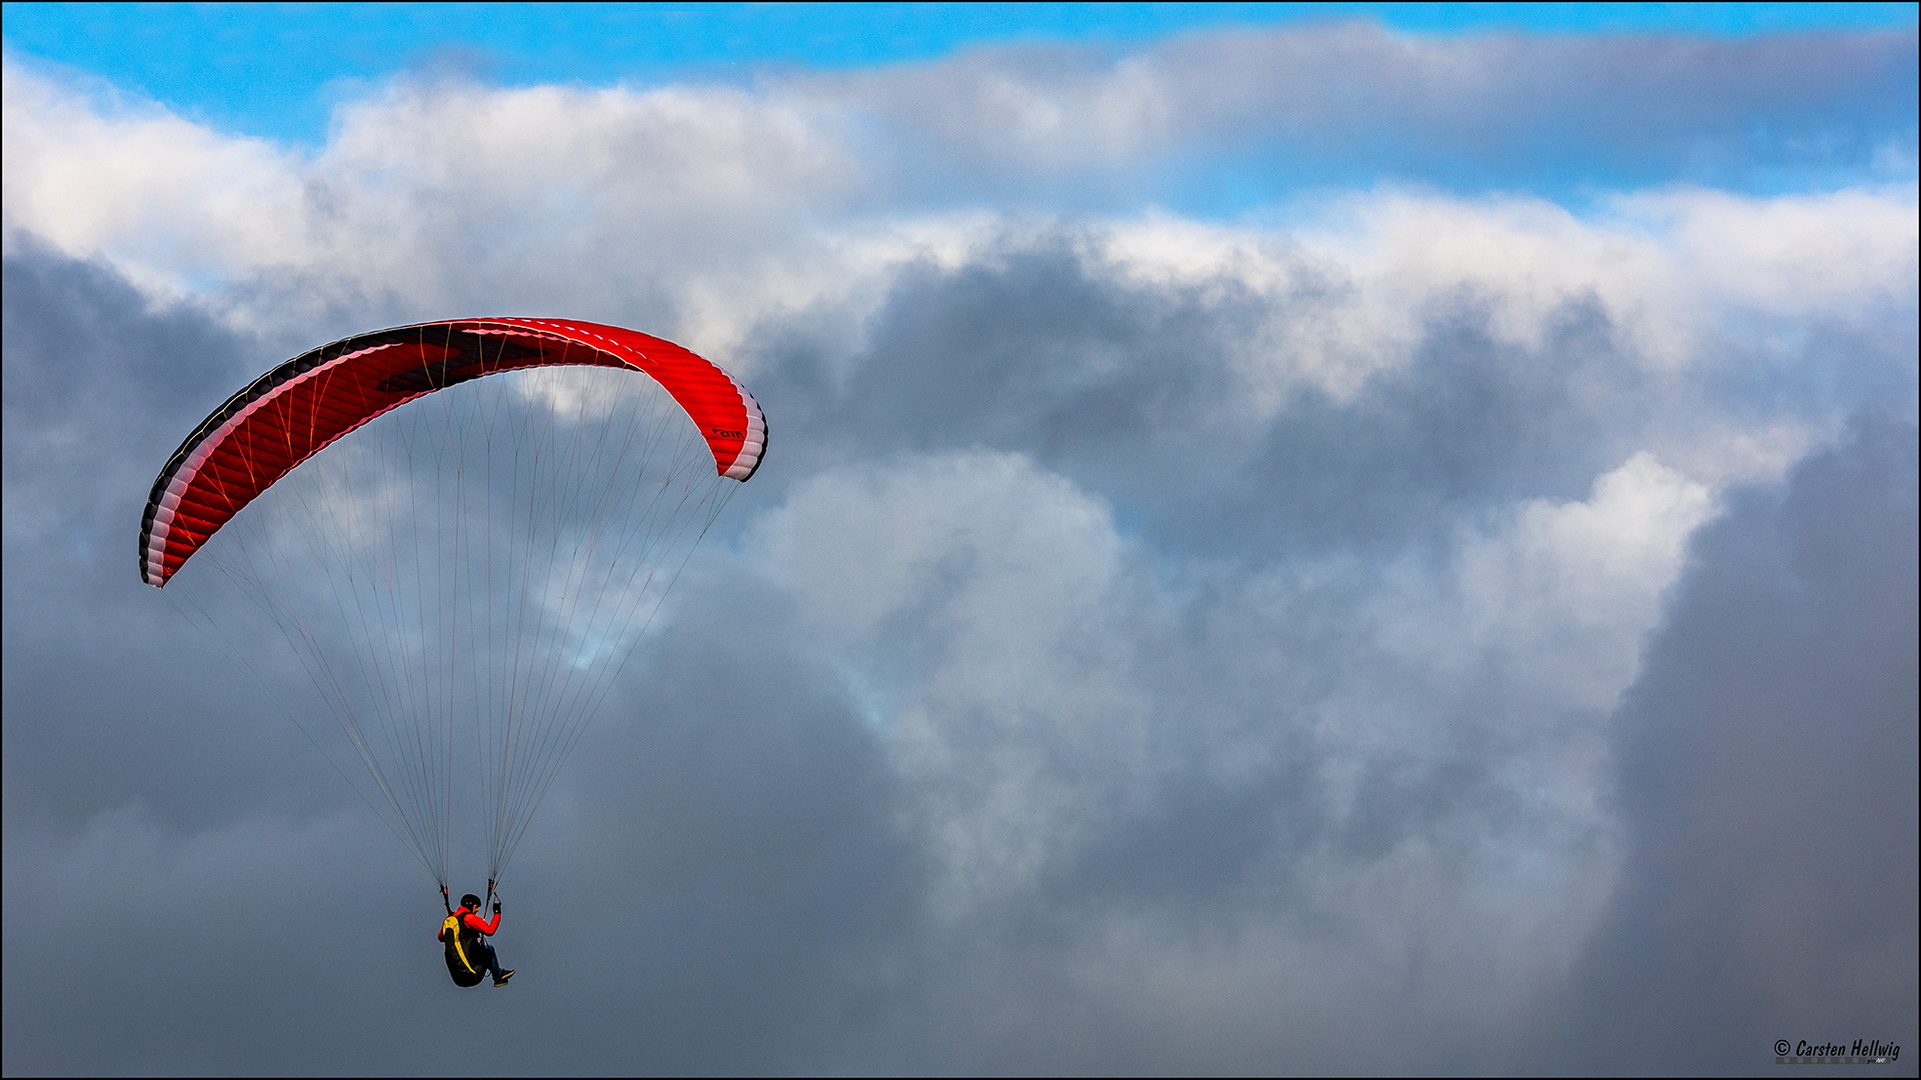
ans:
x=292 y=412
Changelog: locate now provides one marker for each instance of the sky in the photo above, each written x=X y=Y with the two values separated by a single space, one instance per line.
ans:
x=1335 y=539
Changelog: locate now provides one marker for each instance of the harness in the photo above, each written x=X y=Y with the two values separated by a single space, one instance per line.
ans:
x=459 y=964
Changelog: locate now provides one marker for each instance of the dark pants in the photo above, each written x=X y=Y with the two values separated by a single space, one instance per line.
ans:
x=489 y=963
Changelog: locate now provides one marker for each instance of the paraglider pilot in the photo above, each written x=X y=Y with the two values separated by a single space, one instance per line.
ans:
x=465 y=934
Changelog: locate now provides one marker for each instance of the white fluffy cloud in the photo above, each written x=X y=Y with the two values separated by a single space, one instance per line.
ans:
x=426 y=197
x=1017 y=721
x=709 y=211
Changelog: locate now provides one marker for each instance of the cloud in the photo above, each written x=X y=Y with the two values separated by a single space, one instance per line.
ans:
x=695 y=205
x=426 y=195
x=970 y=597
x=102 y=384
x=1766 y=776
x=1336 y=101
x=233 y=920
x=85 y=175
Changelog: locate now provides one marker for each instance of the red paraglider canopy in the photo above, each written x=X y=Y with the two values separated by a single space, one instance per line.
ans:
x=298 y=408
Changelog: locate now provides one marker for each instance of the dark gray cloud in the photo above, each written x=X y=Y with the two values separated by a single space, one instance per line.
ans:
x=1767 y=768
x=100 y=388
